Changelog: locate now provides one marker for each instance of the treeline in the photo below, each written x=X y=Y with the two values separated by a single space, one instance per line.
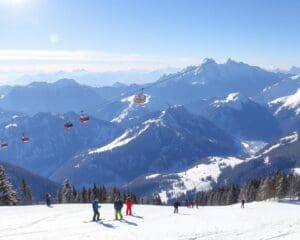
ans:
x=69 y=194
x=277 y=186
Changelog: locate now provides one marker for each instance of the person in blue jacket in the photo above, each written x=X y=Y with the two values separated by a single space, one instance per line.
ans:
x=96 y=207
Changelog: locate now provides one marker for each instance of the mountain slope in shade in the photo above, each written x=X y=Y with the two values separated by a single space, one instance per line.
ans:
x=50 y=145
x=282 y=154
x=285 y=87
x=39 y=185
x=242 y=117
x=168 y=141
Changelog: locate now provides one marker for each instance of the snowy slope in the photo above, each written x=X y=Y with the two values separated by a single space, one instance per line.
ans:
x=291 y=102
x=70 y=222
x=200 y=177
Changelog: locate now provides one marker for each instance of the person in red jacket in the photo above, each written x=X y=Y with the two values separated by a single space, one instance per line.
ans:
x=128 y=206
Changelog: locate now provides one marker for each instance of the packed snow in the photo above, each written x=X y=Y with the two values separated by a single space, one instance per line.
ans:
x=259 y=220
x=288 y=102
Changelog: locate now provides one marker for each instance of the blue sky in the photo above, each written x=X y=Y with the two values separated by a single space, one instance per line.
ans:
x=52 y=35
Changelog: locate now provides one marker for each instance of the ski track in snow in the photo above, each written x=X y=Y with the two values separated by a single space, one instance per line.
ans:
x=258 y=221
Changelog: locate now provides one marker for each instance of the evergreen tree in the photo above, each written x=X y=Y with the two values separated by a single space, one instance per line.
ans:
x=84 y=195
x=59 y=196
x=7 y=194
x=25 y=191
x=156 y=200
x=281 y=186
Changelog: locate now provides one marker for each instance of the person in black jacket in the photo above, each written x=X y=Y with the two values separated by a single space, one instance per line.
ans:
x=96 y=216
x=48 y=199
x=243 y=203
x=118 y=205
x=176 y=205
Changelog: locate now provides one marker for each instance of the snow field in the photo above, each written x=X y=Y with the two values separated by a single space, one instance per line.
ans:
x=259 y=220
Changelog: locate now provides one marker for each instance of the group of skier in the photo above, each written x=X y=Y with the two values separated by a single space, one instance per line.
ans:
x=118 y=205
x=191 y=204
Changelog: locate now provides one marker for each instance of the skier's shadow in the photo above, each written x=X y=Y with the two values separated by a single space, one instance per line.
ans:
x=137 y=216
x=129 y=223
x=108 y=225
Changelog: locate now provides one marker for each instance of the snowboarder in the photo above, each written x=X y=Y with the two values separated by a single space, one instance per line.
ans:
x=48 y=199
x=118 y=205
x=243 y=203
x=96 y=207
x=176 y=205
x=128 y=206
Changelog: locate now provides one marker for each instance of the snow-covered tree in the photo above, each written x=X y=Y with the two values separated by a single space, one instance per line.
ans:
x=7 y=194
x=67 y=192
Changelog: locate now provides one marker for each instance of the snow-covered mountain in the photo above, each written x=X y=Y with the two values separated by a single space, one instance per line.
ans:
x=169 y=140
x=189 y=86
x=58 y=97
x=239 y=116
x=285 y=87
x=287 y=110
x=282 y=154
x=50 y=145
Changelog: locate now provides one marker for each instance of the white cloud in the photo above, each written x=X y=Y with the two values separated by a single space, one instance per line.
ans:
x=52 y=60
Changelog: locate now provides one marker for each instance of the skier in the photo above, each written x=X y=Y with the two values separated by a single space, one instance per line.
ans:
x=176 y=205
x=96 y=210
x=118 y=205
x=48 y=199
x=128 y=206
x=197 y=203
x=243 y=203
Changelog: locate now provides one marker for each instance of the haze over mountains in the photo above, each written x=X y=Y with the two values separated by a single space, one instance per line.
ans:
x=199 y=127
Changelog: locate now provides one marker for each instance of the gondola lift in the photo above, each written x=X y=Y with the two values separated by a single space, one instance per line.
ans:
x=140 y=98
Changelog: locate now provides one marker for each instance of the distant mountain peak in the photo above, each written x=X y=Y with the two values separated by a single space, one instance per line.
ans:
x=208 y=61
x=64 y=82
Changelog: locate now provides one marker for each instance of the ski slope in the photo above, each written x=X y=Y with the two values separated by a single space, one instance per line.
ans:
x=259 y=220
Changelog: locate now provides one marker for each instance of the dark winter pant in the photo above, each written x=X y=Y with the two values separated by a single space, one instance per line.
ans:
x=176 y=210
x=118 y=213
x=96 y=216
x=128 y=211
